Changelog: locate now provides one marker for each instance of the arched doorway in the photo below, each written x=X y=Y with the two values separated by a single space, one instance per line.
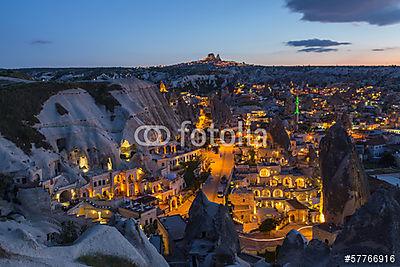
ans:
x=287 y=181
x=65 y=196
x=266 y=193
x=173 y=203
x=120 y=186
x=277 y=193
x=300 y=183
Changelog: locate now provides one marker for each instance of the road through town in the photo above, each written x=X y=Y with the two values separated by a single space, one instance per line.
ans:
x=222 y=164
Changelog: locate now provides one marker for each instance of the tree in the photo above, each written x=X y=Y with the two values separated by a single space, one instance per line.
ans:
x=68 y=234
x=196 y=171
x=252 y=157
x=267 y=225
x=8 y=190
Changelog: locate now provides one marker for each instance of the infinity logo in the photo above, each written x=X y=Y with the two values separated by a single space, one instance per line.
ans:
x=152 y=135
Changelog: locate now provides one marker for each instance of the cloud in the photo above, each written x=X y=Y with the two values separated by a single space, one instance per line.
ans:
x=40 y=42
x=315 y=42
x=382 y=49
x=317 y=50
x=375 y=12
x=316 y=45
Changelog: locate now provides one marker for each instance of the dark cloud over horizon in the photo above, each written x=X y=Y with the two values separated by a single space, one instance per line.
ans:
x=40 y=42
x=316 y=45
x=376 y=12
x=316 y=42
x=382 y=49
x=317 y=50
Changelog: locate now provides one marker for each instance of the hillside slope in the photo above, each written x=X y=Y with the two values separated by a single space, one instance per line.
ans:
x=74 y=120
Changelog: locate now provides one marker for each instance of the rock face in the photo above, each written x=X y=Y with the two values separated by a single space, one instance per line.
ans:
x=131 y=231
x=345 y=185
x=373 y=229
x=185 y=111
x=279 y=134
x=212 y=58
x=345 y=120
x=24 y=237
x=220 y=111
x=289 y=105
x=296 y=251
x=210 y=223
x=89 y=129
x=292 y=248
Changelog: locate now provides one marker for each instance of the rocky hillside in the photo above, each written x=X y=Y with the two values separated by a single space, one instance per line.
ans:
x=60 y=122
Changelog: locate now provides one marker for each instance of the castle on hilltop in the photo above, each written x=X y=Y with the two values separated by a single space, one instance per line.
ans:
x=212 y=58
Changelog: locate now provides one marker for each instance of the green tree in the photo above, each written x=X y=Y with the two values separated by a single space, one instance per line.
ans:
x=196 y=171
x=267 y=225
x=69 y=233
x=252 y=159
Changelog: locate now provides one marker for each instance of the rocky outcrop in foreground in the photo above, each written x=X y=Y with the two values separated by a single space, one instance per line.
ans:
x=25 y=237
x=210 y=225
x=373 y=229
x=129 y=228
x=344 y=183
x=296 y=251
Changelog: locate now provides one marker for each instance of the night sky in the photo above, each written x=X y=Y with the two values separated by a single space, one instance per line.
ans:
x=157 y=32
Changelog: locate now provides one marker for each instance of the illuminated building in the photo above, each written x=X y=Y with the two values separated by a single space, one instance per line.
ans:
x=163 y=87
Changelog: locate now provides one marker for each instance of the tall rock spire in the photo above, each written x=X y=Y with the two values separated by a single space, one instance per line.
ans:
x=345 y=185
x=211 y=223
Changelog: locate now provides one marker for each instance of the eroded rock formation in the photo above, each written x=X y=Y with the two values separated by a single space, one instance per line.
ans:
x=210 y=225
x=130 y=229
x=345 y=185
x=28 y=231
x=220 y=111
x=296 y=251
x=100 y=117
x=279 y=134
x=373 y=229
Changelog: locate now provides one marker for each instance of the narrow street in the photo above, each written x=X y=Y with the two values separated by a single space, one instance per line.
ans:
x=222 y=164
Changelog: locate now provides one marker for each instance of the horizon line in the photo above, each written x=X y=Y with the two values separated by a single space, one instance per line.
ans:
x=177 y=64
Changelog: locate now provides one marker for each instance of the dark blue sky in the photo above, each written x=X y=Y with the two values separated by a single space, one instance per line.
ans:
x=153 y=32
